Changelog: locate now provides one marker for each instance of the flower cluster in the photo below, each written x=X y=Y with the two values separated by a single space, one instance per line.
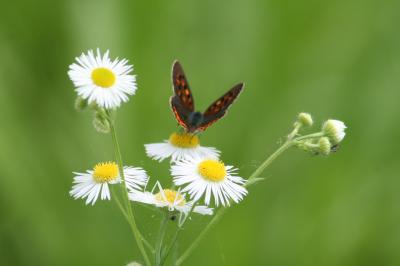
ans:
x=323 y=142
x=103 y=84
x=198 y=170
x=200 y=181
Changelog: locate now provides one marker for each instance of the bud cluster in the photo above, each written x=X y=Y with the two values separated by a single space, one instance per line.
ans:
x=323 y=142
x=101 y=120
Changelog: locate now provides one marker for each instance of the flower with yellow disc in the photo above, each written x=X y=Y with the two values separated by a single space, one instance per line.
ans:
x=180 y=146
x=100 y=80
x=209 y=177
x=168 y=198
x=94 y=183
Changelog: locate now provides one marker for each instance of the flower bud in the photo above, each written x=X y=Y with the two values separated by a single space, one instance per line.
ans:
x=307 y=145
x=324 y=146
x=80 y=104
x=101 y=124
x=305 y=119
x=334 y=130
x=133 y=263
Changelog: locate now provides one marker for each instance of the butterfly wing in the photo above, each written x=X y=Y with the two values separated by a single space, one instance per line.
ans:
x=181 y=113
x=218 y=109
x=181 y=102
x=181 y=87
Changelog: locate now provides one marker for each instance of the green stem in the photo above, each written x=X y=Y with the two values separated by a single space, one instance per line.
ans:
x=119 y=204
x=177 y=232
x=310 y=136
x=295 y=131
x=196 y=242
x=249 y=182
x=291 y=140
x=132 y=223
x=268 y=161
x=172 y=245
x=161 y=235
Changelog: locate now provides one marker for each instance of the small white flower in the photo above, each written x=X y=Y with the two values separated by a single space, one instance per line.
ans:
x=168 y=198
x=334 y=130
x=94 y=182
x=180 y=146
x=205 y=176
x=98 y=79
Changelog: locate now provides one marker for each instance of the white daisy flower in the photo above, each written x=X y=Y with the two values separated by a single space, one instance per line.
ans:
x=180 y=146
x=334 y=130
x=168 y=198
x=210 y=177
x=94 y=182
x=98 y=79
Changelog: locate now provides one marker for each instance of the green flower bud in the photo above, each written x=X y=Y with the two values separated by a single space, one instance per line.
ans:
x=101 y=124
x=307 y=145
x=80 y=104
x=305 y=119
x=324 y=146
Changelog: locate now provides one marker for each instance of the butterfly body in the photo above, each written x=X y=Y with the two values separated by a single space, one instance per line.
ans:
x=182 y=103
x=195 y=119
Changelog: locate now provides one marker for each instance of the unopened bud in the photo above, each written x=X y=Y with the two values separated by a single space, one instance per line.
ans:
x=324 y=146
x=101 y=124
x=305 y=119
x=80 y=104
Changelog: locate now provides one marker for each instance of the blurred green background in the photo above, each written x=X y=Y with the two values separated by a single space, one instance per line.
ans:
x=334 y=59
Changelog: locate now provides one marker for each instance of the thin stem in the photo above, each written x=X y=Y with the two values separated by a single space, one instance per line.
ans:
x=161 y=235
x=310 y=136
x=268 y=161
x=132 y=223
x=251 y=180
x=196 y=242
x=289 y=143
x=296 y=129
x=172 y=245
x=119 y=204
x=177 y=232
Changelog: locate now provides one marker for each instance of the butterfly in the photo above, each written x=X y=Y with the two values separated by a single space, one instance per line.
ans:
x=182 y=103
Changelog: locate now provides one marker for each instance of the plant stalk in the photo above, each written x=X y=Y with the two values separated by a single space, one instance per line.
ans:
x=250 y=181
x=132 y=223
x=161 y=235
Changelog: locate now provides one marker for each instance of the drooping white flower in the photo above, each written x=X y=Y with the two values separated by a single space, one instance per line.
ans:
x=334 y=130
x=95 y=182
x=180 y=146
x=209 y=177
x=168 y=198
x=100 y=80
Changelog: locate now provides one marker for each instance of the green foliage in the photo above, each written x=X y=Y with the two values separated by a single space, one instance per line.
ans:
x=329 y=58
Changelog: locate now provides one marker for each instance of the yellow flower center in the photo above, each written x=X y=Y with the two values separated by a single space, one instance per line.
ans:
x=103 y=77
x=212 y=170
x=184 y=140
x=105 y=172
x=171 y=196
